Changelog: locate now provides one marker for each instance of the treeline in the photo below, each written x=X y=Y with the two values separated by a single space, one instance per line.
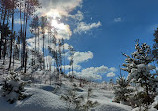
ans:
x=13 y=39
x=13 y=43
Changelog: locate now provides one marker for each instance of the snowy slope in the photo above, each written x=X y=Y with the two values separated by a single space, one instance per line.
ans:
x=39 y=101
x=105 y=99
x=43 y=99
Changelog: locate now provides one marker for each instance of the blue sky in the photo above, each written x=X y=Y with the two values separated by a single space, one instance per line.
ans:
x=99 y=30
x=123 y=21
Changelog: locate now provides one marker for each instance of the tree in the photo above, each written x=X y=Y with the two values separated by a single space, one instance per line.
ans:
x=139 y=70
x=43 y=26
x=72 y=52
x=89 y=103
x=29 y=8
x=5 y=11
x=34 y=28
x=155 y=46
x=13 y=88
x=72 y=98
x=122 y=90
x=13 y=7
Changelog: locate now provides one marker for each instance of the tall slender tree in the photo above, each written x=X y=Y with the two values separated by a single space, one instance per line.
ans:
x=13 y=7
x=43 y=27
x=72 y=52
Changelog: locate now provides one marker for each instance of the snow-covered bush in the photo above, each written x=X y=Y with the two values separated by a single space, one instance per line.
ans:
x=139 y=75
x=87 y=102
x=79 y=102
x=13 y=88
x=73 y=99
x=122 y=90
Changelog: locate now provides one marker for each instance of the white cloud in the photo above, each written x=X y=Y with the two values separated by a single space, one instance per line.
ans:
x=84 y=27
x=92 y=73
x=111 y=74
x=80 y=57
x=64 y=33
x=119 y=19
x=97 y=70
x=78 y=16
x=61 y=9
x=66 y=46
x=113 y=69
x=63 y=6
x=89 y=76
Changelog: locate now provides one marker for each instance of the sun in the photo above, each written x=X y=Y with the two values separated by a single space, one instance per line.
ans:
x=54 y=23
x=58 y=25
x=55 y=20
x=54 y=14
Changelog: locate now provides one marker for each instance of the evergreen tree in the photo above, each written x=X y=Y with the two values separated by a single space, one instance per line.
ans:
x=43 y=26
x=34 y=29
x=13 y=88
x=121 y=90
x=139 y=74
x=89 y=103
x=155 y=46
x=73 y=99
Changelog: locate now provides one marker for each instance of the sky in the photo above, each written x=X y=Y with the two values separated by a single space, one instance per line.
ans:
x=122 y=22
x=100 y=30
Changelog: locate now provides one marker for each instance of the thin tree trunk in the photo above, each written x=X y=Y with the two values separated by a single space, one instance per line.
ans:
x=38 y=40
x=5 y=44
x=35 y=37
x=2 y=34
x=23 y=38
x=25 y=56
x=12 y=36
x=43 y=53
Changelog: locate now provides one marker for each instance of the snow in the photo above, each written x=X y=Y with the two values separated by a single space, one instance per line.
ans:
x=108 y=107
x=39 y=101
x=43 y=97
x=42 y=100
x=104 y=98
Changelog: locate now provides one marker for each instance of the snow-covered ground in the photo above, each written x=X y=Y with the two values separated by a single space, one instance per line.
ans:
x=42 y=100
x=39 y=101
x=44 y=97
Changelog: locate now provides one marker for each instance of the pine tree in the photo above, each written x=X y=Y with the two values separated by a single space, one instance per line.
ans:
x=73 y=99
x=139 y=70
x=72 y=52
x=13 y=88
x=34 y=29
x=121 y=90
x=155 y=46
x=87 y=102
x=43 y=26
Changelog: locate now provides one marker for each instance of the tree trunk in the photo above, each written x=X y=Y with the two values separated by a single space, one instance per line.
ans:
x=12 y=36
x=2 y=34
